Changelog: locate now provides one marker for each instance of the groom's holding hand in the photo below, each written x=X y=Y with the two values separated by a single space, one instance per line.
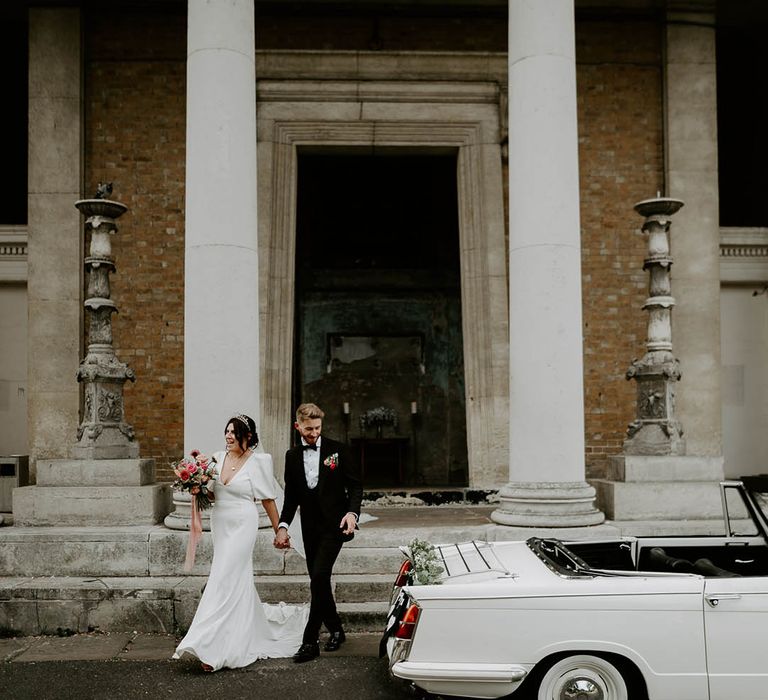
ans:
x=321 y=478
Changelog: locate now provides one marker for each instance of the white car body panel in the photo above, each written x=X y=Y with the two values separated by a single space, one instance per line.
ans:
x=694 y=625
x=632 y=616
x=737 y=637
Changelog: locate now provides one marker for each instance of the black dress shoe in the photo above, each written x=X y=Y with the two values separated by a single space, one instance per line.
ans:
x=306 y=652
x=336 y=640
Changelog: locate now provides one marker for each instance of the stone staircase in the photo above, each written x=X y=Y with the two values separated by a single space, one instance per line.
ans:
x=61 y=580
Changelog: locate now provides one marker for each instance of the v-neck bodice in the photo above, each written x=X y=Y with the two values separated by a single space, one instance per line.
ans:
x=239 y=469
x=254 y=480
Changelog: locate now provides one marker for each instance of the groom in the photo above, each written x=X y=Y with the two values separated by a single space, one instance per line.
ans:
x=321 y=478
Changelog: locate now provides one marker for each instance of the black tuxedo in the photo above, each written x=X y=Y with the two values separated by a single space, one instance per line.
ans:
x=339 y=491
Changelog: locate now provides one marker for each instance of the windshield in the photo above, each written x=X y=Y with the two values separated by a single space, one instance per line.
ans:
x=558 y=557
x=762 y=501
x=757 y=486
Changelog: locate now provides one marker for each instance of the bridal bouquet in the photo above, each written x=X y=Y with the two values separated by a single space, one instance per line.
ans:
x=196 y=476
x=426 y=564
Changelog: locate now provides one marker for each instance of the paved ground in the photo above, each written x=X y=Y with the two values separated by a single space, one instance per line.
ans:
x=130 y=646
x=127 y=666
x=429 y=516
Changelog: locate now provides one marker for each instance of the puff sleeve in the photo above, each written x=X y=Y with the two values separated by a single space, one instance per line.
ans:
x=262 y=477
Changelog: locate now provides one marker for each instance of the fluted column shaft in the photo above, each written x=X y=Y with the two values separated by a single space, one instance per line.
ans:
x=546 y=467
x=221 y=275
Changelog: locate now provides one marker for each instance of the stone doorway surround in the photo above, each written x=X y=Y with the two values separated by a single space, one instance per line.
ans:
x=334 y=101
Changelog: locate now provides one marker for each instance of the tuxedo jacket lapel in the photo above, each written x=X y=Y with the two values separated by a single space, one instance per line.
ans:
x=298 y=465
x=322 y=469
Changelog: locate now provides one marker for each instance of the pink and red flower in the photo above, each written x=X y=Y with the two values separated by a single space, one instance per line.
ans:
x=196 y=476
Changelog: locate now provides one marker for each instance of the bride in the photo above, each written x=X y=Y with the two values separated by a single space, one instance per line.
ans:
x=232 y=627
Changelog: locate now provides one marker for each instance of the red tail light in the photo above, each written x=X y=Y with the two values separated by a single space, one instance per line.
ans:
x=408 y=623
x=402 y=576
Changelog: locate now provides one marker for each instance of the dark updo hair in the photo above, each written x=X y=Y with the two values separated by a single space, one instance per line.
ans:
x=245 y=430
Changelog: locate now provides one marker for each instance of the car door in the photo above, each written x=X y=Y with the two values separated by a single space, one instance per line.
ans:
x=736 y=635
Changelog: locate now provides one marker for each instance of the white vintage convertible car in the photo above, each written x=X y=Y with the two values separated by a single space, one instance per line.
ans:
x=636 y=618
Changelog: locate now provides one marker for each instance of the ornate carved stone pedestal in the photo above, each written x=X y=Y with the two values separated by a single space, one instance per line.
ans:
x=654 y=479
x=106 y=483
x=656 y=431
x=103 y=432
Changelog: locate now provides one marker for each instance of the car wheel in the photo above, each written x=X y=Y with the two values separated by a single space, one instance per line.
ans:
x=582 y=677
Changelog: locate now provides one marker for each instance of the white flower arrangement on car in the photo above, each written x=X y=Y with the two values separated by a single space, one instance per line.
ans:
x=426 y=564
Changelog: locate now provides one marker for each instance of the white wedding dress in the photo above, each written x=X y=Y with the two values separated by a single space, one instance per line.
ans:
x=232 y=627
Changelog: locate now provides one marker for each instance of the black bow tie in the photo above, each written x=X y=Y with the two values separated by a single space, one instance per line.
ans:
x=309 y=447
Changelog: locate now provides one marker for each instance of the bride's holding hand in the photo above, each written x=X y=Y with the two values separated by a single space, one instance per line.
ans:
x=232 y=627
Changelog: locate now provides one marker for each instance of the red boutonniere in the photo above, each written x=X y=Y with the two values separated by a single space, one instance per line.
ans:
x=332 y=461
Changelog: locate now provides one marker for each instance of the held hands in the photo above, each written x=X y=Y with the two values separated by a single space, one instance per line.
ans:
x=282 y=539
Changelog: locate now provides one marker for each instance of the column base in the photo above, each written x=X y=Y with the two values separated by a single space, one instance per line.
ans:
x=179 y=518
x=547 y=504
x=181 y=514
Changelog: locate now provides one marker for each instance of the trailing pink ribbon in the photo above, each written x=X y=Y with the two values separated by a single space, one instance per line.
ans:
x=195 y=533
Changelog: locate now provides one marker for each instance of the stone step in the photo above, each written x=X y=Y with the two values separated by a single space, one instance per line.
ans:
x=100 y=472
x=91 y=505
x=57 y=605
x=663 y=500
x=158 y=551
x=664 y=468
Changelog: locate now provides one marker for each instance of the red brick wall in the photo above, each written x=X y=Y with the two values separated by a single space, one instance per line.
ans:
x=135 y=103
x=135 y=80
x=621 y=163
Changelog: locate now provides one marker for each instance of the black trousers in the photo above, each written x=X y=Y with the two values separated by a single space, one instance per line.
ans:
x=321 y=550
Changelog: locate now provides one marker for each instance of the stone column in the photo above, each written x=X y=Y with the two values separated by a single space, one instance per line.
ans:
x=547 y=472
x=691 y=175
x=221 y=275
x=55 y=252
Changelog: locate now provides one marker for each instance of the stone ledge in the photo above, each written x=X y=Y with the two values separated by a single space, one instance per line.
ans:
x=91 y=505
x=667 y=468
x=82 y=533
x=666 y=500
x=102 y=472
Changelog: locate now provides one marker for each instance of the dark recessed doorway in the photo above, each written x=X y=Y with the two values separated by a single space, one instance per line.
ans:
x=378 y=341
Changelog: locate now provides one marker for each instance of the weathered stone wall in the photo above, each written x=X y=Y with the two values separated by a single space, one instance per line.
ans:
x=135 y=137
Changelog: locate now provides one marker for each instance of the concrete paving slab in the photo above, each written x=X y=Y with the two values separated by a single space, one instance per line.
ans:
x=428 y=516
x=9 y=648
x=79 y=647
x=138 y=647
x=149 y=647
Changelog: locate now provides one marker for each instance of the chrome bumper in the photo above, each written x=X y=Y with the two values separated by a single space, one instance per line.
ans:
x=397 y=650
x=466 y=679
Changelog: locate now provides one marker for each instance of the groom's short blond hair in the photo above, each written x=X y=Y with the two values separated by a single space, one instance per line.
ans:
x=308 y=411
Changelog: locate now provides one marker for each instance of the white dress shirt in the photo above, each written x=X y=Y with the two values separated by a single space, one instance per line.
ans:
x=311 y=463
